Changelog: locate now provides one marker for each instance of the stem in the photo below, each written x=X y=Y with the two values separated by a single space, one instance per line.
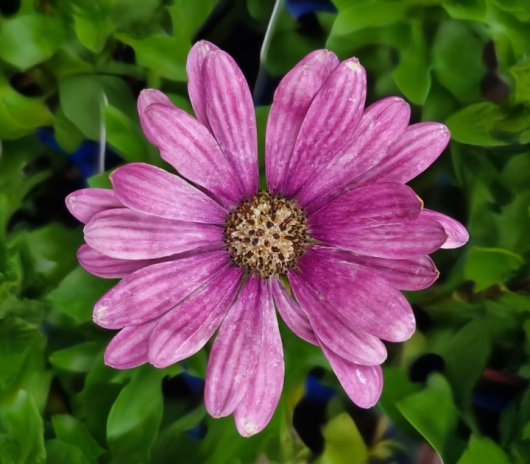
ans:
x=102 y=136
x=268 y=33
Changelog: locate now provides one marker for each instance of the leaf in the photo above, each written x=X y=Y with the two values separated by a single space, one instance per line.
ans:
x=482 y=449
x=71 y=431
x=466 y=9
x=433 y=413
x=78 y=358
x=488 y=266
x=135 y=417
x=20 y=115
x=487 y=124
x=68 y=136
x=521 y=74
x=456 y=59
x=92 y=23
x=21 y=431
x=58 y=451
x=412 y=75
x=343 y=442
x=27 y=40
x=73 y=300
x=466 y=354
x=82 y=97
x=125 y=136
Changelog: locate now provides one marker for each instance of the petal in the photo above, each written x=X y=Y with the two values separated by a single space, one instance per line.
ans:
x=101 y=265
x=128 y=234
x=329 y=124
x=419 y=147
x=151 y=291
x=156 y=192
x=365 y=300
x=86 y=203
x=265 y=388
x=194 y=68
x=364 y=207
x=128 y=348
x=377 y=237
x=339 y=334
x=457 y=235
x=236 y=349
x=291 y=313
x=230 y=112
x=291 y=101
x=382 y=124
x=414 y=273
x=149 y=97
x=192 y=150
x=188 y=326
x=363 y=384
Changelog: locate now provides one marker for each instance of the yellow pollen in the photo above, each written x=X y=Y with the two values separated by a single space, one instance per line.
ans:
x=266 y=234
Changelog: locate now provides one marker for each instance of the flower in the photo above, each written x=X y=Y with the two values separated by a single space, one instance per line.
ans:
x=206 y=251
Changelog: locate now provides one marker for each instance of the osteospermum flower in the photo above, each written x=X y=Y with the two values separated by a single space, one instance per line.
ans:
x=205 y=251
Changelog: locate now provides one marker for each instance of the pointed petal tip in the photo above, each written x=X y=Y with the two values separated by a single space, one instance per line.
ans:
x=247 y=429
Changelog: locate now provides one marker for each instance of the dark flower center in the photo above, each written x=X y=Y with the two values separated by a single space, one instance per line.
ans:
x=266 y=234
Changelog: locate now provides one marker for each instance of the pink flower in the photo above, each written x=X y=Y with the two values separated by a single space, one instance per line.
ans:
x=209 y=253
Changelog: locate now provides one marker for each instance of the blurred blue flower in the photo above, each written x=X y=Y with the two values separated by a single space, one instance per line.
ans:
x=299 y=8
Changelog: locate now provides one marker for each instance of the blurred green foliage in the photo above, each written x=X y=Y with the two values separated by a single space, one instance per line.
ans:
x=76 y=65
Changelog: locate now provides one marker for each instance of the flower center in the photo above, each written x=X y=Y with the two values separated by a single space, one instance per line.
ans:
x=266 y=234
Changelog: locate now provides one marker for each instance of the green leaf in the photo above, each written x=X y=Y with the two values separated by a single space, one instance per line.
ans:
x=488 y=266
x=466 y=9
x=20 y=115
x=92 y=23
x=73 y=300
x=135 y=417
x=68 y=136
x=21 y=431
x=27 y=40
x=521 y=74
x=58 y=451
x=164 y=55
x=466 y=355
x=412 y=75
x=456 y=59
x=82 y=97
x=125 y=136
x=433 y=413
x=71 y=431
x=343 y=442
x=482 y=450
x=78 y=358
x=488 y=124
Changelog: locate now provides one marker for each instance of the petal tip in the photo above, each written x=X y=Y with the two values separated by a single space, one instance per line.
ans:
x=247 y=429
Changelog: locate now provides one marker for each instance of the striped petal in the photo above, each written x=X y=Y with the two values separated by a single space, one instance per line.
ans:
x=128 y=234
x=84 y=204
x=457 y=235
x=149 y=97
x=153 y=191
x=291 y=102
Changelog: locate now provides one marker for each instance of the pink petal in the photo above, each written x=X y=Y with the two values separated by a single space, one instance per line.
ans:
x=128 y=348
x=149 y=97
x=85 y=203
x=192 y=150
x=230 y=112
x=457 y=235
x=187 y=327
x=236 y=350
x=377 y=230
x=329 y=125
x=365 y=207
x=265 y=388
x=128 y=234
x=194 y=67
x=291 y=313
x=339 y=334
x=414 y=273
x=419 y=147
x=151 y=291
x=153 y=191
x=363 y=384
x=292 y=99
x=101 y=265
x=357 y=295
x=382 y=124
